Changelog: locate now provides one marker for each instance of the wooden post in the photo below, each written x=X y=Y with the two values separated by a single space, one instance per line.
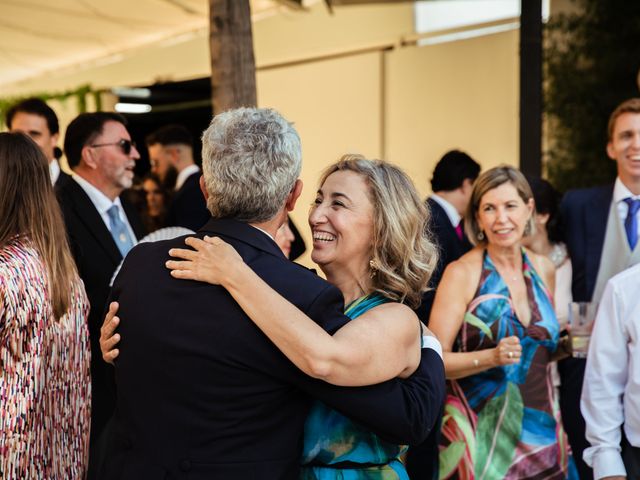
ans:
x=531 y=87
x=233 y=70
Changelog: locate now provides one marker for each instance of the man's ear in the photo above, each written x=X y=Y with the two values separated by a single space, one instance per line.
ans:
x=174 y=154
x=610 y=151
x=293 y=196
x=203 y=188
x=89 y=157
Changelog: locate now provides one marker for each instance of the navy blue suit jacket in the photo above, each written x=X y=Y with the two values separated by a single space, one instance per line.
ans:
x=584 y=215
x=96 y=256
x=202 y=392
x=188 y=208
x=450 y=248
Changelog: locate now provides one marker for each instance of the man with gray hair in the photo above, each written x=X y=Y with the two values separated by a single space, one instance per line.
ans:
x=202 y=392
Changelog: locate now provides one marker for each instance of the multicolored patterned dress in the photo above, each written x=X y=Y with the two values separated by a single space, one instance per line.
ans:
x=503 y=423
x=336 y=448
x=45 y=388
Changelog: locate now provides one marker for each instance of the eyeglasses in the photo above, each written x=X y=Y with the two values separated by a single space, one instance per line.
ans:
x=125 y=145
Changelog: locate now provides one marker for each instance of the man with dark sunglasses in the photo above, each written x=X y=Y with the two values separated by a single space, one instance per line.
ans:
x=102 y=227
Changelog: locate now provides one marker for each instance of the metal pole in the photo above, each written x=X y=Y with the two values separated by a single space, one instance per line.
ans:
x=531 y=87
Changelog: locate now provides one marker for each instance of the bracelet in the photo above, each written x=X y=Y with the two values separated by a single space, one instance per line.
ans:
x=476 y=362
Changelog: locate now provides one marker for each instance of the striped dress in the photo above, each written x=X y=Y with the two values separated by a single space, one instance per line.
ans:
x=45 y=388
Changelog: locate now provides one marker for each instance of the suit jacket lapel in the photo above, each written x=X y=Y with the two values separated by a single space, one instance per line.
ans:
x=88 y=215
x=595 y=219
x=133 y=217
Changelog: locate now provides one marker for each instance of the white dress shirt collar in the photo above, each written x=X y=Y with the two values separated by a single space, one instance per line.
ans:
x=54 y=170
x=450 y=210
x=620 y=191
x=184 y=174
x=99 y=199
x=102 y=204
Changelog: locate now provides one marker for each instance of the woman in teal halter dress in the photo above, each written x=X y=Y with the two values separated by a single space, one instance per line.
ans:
x=368 y=224
x=335 y=447
x=501 y=419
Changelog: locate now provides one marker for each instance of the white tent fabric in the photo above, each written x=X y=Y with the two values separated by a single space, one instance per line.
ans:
x=40 y=36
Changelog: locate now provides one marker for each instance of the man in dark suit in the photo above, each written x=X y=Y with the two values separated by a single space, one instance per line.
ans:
x=35 y=118
x=202 y=393
x=601 y=231
x=451 y=183
x=171 y=156
x=101 y=227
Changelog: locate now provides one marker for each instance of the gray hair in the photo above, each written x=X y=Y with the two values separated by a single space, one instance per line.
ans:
x=251 y=159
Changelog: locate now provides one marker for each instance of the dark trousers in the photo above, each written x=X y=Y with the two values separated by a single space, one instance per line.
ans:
x=631 y=459
x=571 y=372
x=422 y=460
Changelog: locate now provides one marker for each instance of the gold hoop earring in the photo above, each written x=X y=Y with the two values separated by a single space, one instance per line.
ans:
x=374 y=267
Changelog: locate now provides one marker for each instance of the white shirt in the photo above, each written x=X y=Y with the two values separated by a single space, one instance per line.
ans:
x=184 y=174
x=620 y=192
x=54 y=171
x=450 y=210
x=611 y=389
x=103 y=204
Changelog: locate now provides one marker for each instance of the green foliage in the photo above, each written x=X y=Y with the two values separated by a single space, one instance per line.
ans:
x=79 y=93
x=592 y=59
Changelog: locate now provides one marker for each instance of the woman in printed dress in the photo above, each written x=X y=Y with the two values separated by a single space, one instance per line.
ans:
x=494 y=315
x=45 y=388
x=368 y=225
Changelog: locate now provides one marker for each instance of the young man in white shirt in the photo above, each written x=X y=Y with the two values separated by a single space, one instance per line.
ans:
x=611 y=391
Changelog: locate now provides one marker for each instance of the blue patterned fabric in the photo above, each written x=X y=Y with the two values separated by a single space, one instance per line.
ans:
x=335 y=448
x=504 y=423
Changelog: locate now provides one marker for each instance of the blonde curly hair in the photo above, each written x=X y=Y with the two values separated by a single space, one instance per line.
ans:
x=403 y=254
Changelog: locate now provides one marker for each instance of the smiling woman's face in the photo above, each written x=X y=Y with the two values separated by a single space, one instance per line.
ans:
x=341 y=220
x=503 y=215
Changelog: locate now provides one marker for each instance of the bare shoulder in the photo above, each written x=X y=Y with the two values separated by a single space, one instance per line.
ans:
x=466 y=267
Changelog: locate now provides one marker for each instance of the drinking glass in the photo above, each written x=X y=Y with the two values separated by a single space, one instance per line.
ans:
x=581 y=317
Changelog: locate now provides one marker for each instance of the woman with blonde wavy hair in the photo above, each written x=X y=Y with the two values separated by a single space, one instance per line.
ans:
x=368 y=225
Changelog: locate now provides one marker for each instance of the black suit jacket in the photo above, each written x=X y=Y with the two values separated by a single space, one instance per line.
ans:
x=63 y=177
x=96 y=256
x=422 y=460
x=188 y=208
x=584 y=214
x=450 y=248
x=202 y=392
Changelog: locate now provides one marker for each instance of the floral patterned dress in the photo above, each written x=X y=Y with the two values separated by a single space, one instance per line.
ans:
x=504 y=422
x=336 y=448
x=45 y=388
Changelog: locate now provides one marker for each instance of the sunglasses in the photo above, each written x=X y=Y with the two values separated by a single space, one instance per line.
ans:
x=125 y=145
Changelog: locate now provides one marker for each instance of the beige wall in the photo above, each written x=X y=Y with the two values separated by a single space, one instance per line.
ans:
x=405 y=104
x=336 y=108
x=461 y=94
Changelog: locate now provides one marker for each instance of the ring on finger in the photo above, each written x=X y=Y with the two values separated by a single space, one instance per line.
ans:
x=510 y=354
